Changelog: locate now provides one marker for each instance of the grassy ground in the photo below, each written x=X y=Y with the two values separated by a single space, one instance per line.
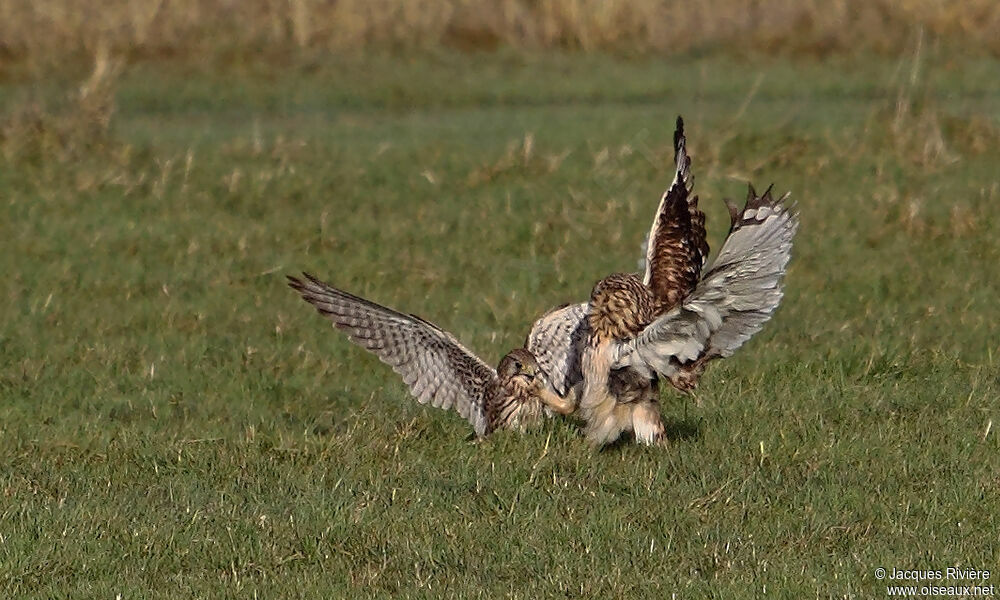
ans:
x=175 y=422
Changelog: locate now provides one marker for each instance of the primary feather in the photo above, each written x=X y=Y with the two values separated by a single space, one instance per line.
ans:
x=676 y=319
x=438 y=370
x=734 y=299
x=556 y=339
x=677 y=246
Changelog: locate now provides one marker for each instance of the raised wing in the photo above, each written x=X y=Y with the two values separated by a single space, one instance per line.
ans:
x=557 y=339
x=677 y=245
x=435 y=366
x=735 y=298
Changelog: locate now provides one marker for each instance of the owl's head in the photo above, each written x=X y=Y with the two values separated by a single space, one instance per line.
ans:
x=519 y=364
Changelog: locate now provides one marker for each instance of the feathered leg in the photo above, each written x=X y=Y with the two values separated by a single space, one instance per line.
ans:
x=606 y=419
x=556 y=404
x=646 y=420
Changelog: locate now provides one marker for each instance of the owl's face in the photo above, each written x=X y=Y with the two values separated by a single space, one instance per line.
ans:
x=519 y=366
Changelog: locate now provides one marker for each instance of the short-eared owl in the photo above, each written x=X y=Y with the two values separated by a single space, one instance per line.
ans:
x=435 y=366
x=673 y=320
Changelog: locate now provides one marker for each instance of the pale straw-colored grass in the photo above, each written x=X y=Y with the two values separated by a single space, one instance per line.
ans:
x=49 y=29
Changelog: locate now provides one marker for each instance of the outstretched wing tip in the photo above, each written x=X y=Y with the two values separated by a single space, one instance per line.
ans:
x=740 y=292
x=734 y=212
x=299 y=282
x=755 y=200
x=433 y=364
x=677 y=245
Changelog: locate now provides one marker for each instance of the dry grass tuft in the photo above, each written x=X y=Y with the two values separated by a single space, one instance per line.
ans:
x=79 y=125
x=519 y=158
x=45 y=30
x=916 y=128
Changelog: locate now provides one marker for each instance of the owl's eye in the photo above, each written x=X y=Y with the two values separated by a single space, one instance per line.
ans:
x=518 y=365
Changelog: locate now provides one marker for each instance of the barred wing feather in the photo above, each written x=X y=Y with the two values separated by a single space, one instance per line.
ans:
x=557 y=339
x=438 y=370
x=676 y=247
x=734 y=299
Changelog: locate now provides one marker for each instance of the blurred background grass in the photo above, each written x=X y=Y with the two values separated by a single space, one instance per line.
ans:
x=46 y=31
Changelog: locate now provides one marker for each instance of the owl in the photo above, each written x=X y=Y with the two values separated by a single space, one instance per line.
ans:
x=605 y=356
x=438 y=369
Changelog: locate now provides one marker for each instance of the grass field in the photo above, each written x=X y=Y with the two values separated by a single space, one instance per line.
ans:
x=175 y=422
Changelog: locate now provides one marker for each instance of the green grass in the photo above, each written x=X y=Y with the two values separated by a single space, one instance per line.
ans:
x=175 y=422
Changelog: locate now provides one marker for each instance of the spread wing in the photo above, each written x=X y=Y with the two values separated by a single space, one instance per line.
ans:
x=557 y=339
x=677 y=245
x=735 y=298
x=435 y=366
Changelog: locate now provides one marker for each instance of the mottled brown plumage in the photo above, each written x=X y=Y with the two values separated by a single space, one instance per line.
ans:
x=678 y=245
x=623 y=305
x=620 y=307
x=557 y=340
x=694 y=318
x=685 y=376
x=731 y=302
x=614 y=401
x=569 y=340
x=434 y=365
x=516 y=403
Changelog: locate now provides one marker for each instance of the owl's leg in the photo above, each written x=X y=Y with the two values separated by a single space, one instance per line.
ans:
x=607 y=422
x=648 y=424
x=558 y=405
x=646 y=420
x=605 y=417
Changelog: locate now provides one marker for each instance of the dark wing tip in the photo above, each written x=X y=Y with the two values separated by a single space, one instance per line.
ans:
x=299 y=284
x=679 y=134
x=767 y=195
x=734 y=212
x=765 y=199
x=754 y=202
